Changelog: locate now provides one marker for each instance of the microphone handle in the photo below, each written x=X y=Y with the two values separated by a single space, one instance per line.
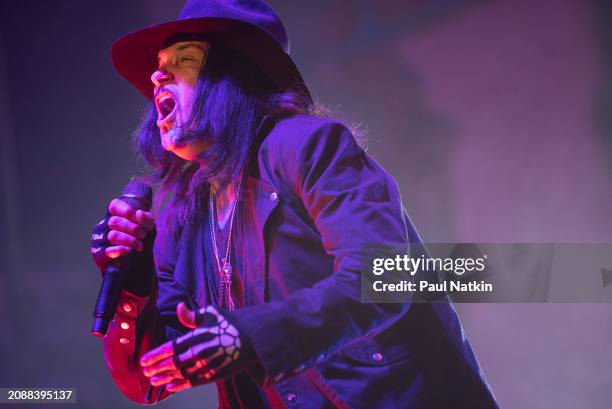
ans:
x=108 y=297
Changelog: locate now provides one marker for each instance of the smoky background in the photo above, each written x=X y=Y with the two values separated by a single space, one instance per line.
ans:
x=493 y=116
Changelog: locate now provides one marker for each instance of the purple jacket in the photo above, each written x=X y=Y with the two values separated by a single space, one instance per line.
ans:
x=312 y=198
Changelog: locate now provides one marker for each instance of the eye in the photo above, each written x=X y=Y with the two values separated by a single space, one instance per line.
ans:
x=186 y=59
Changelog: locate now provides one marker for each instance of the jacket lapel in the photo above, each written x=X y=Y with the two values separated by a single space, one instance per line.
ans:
x=260 y=199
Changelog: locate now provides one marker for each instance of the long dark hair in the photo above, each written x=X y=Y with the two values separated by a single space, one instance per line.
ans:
x=232 y=96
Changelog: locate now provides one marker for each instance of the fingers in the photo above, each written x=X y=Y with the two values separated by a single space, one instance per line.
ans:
x=123 y=239
x=122 y=231
x=208 y=374
x=128 y=229
x=126 y=226
x=145 y=219
x=163 y=378
x=117 y=251
x=186 y=316
x=165 y=365
x=118 y=207
x=199 y=364
x=179 y=385
x=173 y=383
x=160 y=353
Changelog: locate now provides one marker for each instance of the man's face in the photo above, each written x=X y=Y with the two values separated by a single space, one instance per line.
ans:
x=174 y=94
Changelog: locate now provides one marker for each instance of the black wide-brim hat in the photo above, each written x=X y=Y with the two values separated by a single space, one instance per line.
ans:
x=249 y=26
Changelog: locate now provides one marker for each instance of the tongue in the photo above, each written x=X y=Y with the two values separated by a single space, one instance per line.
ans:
x=166 y=107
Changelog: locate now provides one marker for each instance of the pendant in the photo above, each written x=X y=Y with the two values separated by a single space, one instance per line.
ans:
x=226 y=271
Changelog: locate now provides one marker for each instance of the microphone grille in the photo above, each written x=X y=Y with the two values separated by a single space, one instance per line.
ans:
x=139 y=195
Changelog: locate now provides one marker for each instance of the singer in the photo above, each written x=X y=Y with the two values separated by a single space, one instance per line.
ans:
x=247 y=270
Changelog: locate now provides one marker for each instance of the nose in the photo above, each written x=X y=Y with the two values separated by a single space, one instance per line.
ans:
x=160 y=77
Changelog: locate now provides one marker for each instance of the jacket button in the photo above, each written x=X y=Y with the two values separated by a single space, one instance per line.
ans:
x=291 y=397
x=124 y=341
x=377 y=356
x=125 y=325
x=127 y=307
x=274 y=196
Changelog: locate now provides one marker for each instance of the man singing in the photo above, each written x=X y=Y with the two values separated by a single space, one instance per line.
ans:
x=247 y=272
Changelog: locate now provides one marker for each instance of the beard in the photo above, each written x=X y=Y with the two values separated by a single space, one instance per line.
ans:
x=171 y=140
x=182 y=141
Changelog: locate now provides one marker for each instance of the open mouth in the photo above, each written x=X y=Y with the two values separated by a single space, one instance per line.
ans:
x=166 y=105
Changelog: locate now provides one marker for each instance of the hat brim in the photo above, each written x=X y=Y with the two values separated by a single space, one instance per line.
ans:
x=134 y=55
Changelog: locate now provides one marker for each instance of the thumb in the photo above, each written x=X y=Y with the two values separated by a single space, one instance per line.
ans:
x=186 y=316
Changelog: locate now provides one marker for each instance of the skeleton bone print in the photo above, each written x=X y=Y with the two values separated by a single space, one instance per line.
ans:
x=208 y=349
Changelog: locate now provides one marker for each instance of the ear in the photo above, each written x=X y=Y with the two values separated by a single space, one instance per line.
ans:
x=186 y=316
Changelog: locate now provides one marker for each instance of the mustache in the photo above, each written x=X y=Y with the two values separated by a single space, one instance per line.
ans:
x=164 y=88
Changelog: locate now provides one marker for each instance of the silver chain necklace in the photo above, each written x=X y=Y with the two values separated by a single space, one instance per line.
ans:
x=224 y=265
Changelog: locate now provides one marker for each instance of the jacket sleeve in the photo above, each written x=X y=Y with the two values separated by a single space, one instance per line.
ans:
x=352 y=202
x=135 y=330
x=143 y=323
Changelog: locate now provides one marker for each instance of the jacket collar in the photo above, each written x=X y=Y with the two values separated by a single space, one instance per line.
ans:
x=264 y=125
x=263 y=129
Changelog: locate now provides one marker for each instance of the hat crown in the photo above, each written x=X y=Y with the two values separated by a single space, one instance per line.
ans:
x=254 y=12
x=250 y=27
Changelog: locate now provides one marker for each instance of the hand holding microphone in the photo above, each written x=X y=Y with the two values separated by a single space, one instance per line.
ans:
x=121 y=246
x=124 y=228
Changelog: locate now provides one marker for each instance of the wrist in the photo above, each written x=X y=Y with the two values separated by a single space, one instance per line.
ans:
x=140 y=278
x=247 y=355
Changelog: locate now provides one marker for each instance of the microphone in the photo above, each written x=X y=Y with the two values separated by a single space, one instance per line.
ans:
x=140 y=196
